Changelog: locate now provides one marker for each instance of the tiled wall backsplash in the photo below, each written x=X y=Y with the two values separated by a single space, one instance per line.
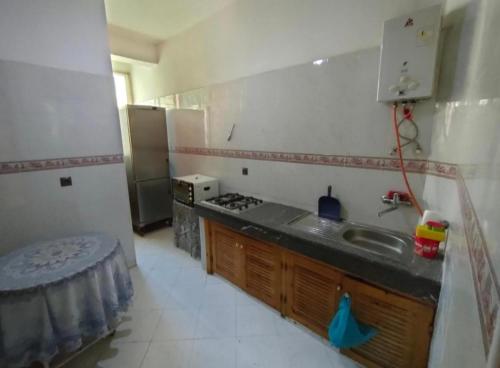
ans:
x=49 y=113
x=327 y=108
x=304 y=127
x=58 y=118
x=57 y=123
x=467 y=131
x=417 y=166
x=16 y=167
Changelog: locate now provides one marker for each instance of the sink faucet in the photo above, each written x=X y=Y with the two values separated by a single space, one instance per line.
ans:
x=395 y=202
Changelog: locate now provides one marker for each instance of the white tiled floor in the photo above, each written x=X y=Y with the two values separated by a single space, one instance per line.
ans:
x=183 y=318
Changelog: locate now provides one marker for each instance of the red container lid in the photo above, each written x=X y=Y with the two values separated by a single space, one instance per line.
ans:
x=435 y=225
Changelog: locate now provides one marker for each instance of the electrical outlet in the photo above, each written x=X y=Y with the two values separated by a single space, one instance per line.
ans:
x=244 y=171
x=66 y=181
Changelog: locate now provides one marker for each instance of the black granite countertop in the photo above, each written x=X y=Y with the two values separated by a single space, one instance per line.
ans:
x=409 y=274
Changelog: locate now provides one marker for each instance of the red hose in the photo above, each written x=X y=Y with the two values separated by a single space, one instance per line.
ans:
x=413 y=199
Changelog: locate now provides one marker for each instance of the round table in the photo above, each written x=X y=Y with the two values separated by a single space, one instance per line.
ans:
x=54 y=294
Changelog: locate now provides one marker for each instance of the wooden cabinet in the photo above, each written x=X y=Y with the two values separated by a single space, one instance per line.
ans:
x=312 y=291
x=263 y=272
x=228 y=254
x=254 y=266
x=404 y=327
x=308 y=291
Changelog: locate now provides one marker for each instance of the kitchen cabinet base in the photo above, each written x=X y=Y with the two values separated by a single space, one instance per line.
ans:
x=308 y=291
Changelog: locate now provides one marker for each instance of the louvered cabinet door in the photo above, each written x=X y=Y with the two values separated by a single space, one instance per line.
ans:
x=311 y=292
x=263 y=272
x=228 y=254
x=404 y=327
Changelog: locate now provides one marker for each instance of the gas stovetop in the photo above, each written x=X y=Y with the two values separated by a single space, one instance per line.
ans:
x=234 y=202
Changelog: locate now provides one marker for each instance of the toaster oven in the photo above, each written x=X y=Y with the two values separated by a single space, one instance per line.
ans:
x=194 y=188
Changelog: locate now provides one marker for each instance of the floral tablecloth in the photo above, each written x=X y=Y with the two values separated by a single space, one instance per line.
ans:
x=55 y=294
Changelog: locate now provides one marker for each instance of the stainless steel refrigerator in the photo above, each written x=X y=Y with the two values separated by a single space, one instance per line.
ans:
x=145 y=148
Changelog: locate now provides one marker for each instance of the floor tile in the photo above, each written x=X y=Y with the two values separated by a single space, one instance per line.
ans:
x=147 y=293
x=164 y=275
x=89 y=358
x=123 y=355
x=304 y=352
x=138 y=276
x=173 y=354
x=173 y=257
x=151 y=296
x=192 y=275
x=176 y=324
x=337 y=360
x=219 y=294
x=260 y=352
x=189 y=261
x=255 y=320
x=214 y=353
x=216 y=321
x=287 y=327
x=243 y=298
x=187 y=295
x=137 y=326
x=216 y=279
x=146 y=261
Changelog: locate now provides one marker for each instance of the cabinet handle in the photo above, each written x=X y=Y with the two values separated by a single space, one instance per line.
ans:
x=339 y=287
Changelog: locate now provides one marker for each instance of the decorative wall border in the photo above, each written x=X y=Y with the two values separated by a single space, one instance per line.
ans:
x=16 y=167
x=486 y=283
x=441 y=169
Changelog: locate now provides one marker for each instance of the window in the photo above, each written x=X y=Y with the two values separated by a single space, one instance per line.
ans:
x=122 y=89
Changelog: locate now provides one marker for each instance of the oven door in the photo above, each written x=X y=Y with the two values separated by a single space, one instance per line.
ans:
x=183 y=192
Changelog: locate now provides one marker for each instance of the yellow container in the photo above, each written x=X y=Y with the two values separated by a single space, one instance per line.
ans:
x=424 y=231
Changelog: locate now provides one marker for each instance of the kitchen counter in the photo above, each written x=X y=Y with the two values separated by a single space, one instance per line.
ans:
x=411 y=275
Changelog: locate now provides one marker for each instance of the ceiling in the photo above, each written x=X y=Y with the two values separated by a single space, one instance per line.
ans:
x=160 y=19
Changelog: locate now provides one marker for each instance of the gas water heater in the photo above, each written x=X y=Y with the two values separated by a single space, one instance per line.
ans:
x=409 y=56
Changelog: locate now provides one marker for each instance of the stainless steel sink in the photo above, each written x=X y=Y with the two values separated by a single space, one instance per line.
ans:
x=368 y=238
x=376 y=241
x=315 y=225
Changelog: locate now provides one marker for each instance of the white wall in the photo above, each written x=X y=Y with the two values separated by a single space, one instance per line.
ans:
x=132 y=46
x=69 y=35
x=253 y=36
x=57 y=101
x=324 y=110
x=253 y=62
x=466 y=130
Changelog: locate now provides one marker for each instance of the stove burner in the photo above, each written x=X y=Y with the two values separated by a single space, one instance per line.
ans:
x=235 y=202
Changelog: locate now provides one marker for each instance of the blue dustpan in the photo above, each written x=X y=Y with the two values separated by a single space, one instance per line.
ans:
x=344 y=331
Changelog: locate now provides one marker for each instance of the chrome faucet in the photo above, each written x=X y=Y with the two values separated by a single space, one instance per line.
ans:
x=395 y=202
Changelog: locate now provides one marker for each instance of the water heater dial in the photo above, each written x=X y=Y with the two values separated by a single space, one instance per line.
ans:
x=413 y=85
x=404 y=80
x=394 y=89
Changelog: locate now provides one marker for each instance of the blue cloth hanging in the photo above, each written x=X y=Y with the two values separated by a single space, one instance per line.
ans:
x=344 y=331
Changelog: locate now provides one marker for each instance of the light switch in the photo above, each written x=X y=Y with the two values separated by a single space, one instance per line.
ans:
x=66 y=181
